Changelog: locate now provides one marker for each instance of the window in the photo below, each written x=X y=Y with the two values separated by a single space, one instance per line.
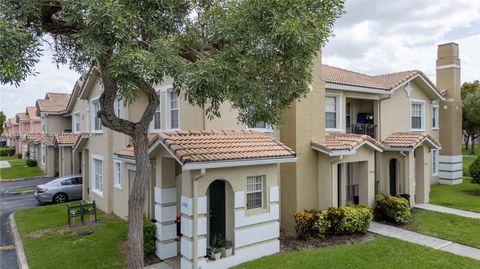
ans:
x=435 y=117
x=173 y=113
x=157 y=118
x=77 y=180
x=97 y=122
x=117 y=174
x=42 y=122
x=417 y=113
x=260 y=126
x=255 y=192
x=76 y=122
x=435 y=162
x=348 y=116
x=66 y=182
x=332 y=106
x=116 y=107
x=98 y=176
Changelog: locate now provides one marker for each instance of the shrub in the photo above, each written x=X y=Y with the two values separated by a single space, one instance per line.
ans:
x=31 y=163
x=149 y=237
x=474 y=170
x=304 y=221
x=19 y=155
x=342 y=220
x=393 y=209
x=7 y=152
x=348 y=219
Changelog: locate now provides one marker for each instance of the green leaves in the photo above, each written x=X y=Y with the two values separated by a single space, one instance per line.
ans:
x=256 y=55
x=19 y=52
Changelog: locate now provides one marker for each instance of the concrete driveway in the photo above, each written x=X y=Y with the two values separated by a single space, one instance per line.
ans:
x=11 y=203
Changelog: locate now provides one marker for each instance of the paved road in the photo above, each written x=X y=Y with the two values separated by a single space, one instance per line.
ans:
x=9 y=204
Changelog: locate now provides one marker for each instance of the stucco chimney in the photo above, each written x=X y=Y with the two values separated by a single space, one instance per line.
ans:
x=448 y=79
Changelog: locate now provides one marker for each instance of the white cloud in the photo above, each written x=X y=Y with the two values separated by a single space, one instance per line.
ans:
x=49 y=79
x=377 y=37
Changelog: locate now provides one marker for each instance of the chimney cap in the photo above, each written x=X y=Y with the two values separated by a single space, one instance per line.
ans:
x=449 y=43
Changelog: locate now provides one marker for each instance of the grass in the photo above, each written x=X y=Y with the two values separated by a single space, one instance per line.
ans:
x=467 y=152
x=446 y=226
x=19 y=169
x=20 y=190
x=382 y=252
x=50 y=243
x=464 y=196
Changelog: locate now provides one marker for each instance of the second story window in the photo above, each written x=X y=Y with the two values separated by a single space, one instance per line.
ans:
x=76 y=122
x=435 y=117
x=417 y=114
x=173 y=111
x=157 y=118
x=116 y=107
x=332 y=110
x=96 y=122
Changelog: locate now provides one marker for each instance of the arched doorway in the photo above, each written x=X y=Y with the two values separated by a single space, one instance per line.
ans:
x=393 y=177
x=217 y=211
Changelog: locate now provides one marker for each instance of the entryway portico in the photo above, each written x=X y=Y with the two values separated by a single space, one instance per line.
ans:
x=213 y=185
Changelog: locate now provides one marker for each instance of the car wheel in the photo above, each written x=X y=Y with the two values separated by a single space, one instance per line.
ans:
x=60 y=198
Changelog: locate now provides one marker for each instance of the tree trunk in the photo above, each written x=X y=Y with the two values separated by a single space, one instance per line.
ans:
x=136 y=202
x=472 y=148
x=467 y=141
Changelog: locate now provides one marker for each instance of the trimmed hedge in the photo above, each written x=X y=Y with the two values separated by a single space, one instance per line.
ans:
x=149 y=237
x=474 y=170
x=392 y=209
x=343 y=220
x=7 y=152
x=31 y=163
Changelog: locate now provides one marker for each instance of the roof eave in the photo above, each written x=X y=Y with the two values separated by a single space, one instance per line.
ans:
x=236 y=163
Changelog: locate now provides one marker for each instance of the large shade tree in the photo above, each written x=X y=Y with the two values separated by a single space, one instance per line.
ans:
x=471 y=113
x=256 y=54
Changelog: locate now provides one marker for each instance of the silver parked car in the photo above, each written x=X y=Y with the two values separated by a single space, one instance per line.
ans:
x=60 y=190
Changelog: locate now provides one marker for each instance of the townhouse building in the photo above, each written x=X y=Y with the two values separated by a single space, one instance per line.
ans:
x=53 y=122
x=352 y=136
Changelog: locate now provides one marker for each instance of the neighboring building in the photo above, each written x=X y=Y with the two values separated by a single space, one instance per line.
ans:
x=352 y=136
x=53 y=123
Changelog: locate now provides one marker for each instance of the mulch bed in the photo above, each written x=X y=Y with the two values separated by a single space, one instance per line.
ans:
x=292 y=243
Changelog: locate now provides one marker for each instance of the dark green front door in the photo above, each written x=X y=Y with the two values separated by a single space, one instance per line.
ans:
x=217 y=210
x=393 y=177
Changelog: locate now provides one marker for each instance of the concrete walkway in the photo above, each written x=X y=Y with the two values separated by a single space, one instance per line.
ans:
x=4 y=164
x=425 y=240
x=448 y=210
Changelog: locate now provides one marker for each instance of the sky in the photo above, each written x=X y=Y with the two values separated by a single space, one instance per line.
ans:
x=372 y=37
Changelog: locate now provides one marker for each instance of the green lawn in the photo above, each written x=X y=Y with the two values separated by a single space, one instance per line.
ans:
x=50 y=243
x=467 y=152
x=446 y=226
x=465 y=196
x=382 y=252
x=18 y=169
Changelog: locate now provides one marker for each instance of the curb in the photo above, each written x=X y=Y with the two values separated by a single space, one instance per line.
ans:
x=20 y=179
x=21 y=258
x=18 y=193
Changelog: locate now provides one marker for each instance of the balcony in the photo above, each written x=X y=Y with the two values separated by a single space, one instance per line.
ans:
x=363 y=128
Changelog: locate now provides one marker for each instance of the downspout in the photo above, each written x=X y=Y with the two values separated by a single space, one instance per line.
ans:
x=195 y=217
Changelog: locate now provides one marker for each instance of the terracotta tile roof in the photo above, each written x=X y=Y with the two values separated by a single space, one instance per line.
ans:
x=129 y=150
x=382 y=82
x=344 y=142
x=205 y=146
x=53 y=102
x=66 y=139
x=22 y=117
x=408 y=140
x=32 y=112
x=35 y=138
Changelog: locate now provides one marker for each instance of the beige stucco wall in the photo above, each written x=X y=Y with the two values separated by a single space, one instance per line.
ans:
x=395 y=112
x=302 y=122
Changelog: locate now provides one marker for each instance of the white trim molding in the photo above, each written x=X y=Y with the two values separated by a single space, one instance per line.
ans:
x=445 y=66
x=351 y=88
